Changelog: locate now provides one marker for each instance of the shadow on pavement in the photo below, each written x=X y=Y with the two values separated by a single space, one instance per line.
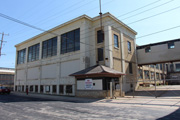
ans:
x=5 y=98
x=173 y=116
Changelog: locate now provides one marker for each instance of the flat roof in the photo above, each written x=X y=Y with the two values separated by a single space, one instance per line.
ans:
x=158 y=43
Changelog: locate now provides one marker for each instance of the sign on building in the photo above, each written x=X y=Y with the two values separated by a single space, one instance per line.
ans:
x=88 y=84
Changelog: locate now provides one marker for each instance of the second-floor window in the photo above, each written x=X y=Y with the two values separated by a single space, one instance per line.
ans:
x=147 y=49
x=21 y=56
x=33 y=53
x=100 y=36
x=70 y=41
x=49 y=47
x=116 y=42
x=129 y=46
x=171 y=45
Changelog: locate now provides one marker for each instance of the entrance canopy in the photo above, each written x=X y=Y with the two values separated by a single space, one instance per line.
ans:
x=97 y=71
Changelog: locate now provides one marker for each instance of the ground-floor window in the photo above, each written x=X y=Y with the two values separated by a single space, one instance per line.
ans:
x=15 y=88
x=61 y=89
x=23 y=88
x=69 y=89
x=36 y=88
x=31 y=88
x=41 y=88
x=54 y=88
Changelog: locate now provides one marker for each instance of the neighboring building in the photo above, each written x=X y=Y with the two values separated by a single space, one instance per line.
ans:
x=161 y=52
x=58 y=61
x=7 y=77
x=147 y=74
x=173 y=73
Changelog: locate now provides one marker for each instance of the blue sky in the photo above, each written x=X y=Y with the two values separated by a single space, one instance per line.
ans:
x=46 y=14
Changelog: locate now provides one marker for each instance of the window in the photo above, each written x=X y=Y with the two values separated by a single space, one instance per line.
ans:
x=31 y=88
x=157 y=66
x=100 y=54
x=70 y=41
x=36 y=88
x=130 y=68
x=61 y=89
x=33 y=53
x=129 y=46
x=157 y=76
x=116 y=42
x=41 y=88
x=161 y=66
x=147 y=49
x=21 y=56
x=54 y=88
x=140 y=73
x=152 y=66
x=178 y=67
x=152 y=75
x=146 y=73
x=69 y=89
x=49 y=47
x=171 y=45
x=100 y=36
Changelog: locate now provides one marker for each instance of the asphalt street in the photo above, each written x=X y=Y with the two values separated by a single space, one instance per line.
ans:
x=22 y=107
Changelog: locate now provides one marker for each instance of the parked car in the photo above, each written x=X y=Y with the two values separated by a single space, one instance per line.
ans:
x=4 y=90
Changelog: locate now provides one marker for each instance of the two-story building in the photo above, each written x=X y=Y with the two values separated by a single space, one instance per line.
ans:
x=79 y=58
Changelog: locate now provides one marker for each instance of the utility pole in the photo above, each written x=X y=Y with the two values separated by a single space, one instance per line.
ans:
x=1 y=42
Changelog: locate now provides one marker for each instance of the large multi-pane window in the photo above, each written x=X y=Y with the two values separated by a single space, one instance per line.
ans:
x=21 y=56
x=129 y=46
x=49 y=47
x=70 y=41
x=116 y=42
x=100 y=54
x=33 y=53
x=100 y=36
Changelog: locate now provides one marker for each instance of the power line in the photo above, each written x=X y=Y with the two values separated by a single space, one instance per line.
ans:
x=148 y=10
x=139 y=8
x=158 y=32
x=154 y=15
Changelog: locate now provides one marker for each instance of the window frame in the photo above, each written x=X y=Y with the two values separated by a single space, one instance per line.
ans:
x=147 y=49
x=21 y=56
x=33 y=52
x=49 y=48
x=72 y=37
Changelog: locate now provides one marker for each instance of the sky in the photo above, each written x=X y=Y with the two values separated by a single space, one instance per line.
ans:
x=153 y=20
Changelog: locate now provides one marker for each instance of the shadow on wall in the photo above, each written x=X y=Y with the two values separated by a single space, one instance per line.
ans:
x=173 y=116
